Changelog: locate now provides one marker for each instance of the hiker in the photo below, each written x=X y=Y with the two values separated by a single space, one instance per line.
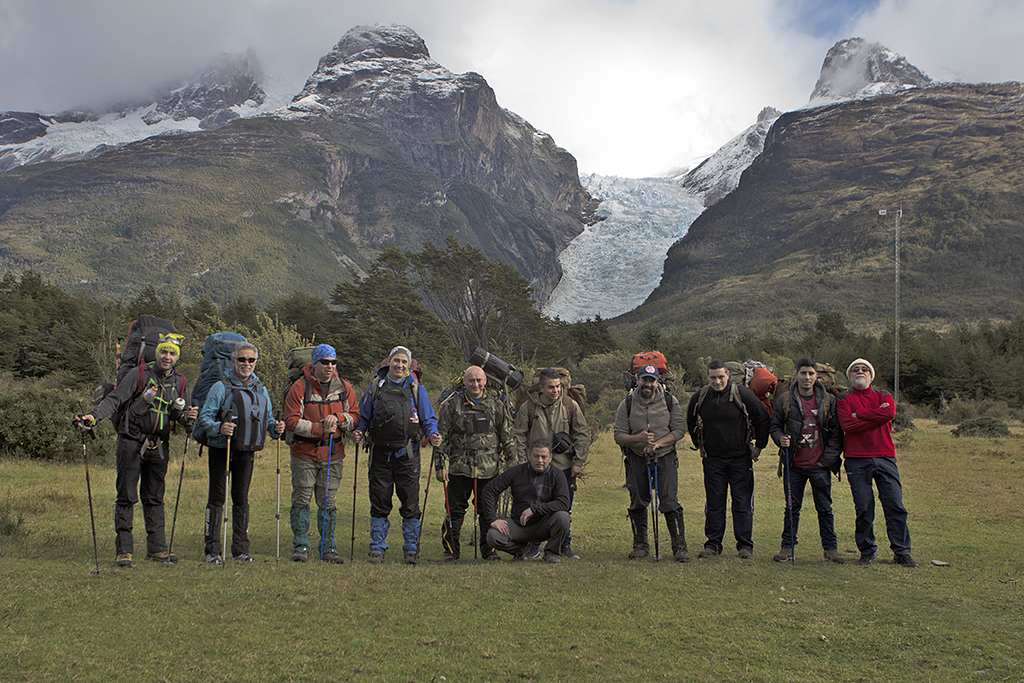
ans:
x=648 y=423
x=540 y=506
x=154 y=397
x=804 y=424
x=237 y=409
x=319 y=408
x=866 y=416
x=550 y=414
x=723 y=419
x=393 y=412
x=476 y=429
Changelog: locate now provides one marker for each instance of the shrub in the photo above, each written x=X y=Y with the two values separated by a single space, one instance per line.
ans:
x=988 y=427
x=958 y=410
x=37 y=424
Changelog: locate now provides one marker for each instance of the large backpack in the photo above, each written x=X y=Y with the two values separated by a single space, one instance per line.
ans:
x=140 y=345
x=827 y=376
x=657 y=359
x=757 y=377
x=298 y=357
x=215 y=367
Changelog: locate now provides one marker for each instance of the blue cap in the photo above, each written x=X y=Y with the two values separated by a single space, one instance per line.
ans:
x=323 y=351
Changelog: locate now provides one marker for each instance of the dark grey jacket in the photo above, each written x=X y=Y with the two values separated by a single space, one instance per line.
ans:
x=792 y=424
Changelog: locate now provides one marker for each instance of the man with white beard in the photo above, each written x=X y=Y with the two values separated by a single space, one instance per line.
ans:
x=866 y=416
x=648 y=423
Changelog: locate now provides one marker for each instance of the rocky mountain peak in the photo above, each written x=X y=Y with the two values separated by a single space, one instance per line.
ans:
x=374 y=42
x=452 y=126
x=855 y=68
x=229 y=81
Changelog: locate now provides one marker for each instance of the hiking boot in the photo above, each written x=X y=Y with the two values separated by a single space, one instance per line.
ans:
x=533 y=552
x=214 y=559
x=865 y=560
x=243 y=557
x=833 y=556
x=375 y=558
x=681 y=555
x=124 y=560
x=639 y=552
x=552 y=558
x=300 y=556
x=412 y=558
x=332 y=557
x=708 y=552
x=450 y=557
x=492 y=557
x=906 y=561
x=785 y=554
x=745 y=553
x=519 y=556
x=567 y=552
x=166 y=557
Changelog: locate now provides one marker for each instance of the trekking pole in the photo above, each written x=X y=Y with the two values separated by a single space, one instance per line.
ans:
x=476 y=502
x=227 y=490
x=278 y=515
x=92 y=517
x=355 y=476
x=654 y=505
x=327 y=492
x=448 y=511
x=789 y=506
x=174 y=520
x=423 y=510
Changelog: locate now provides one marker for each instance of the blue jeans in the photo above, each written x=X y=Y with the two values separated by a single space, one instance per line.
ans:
x=821 y=488
x=861 y=472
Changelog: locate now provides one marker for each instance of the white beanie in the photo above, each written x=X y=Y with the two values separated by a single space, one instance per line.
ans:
x=860 y=361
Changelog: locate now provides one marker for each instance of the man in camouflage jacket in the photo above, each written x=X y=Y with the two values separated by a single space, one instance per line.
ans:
x=476 y=429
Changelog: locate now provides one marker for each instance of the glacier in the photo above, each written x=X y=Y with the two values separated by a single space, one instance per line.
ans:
x=613 y=265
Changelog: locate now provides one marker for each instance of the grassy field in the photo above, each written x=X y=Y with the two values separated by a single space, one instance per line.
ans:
x=602 y=618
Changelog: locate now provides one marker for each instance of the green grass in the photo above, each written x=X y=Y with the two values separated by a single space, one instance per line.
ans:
x=603 y=618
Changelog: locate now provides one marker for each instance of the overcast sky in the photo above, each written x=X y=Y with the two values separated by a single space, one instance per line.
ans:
x=629 y=87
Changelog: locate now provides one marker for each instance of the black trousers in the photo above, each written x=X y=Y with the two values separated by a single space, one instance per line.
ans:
x=241 y=477
x=722 y=476
x=459 y=491
x=139 y=479
x=389 y=475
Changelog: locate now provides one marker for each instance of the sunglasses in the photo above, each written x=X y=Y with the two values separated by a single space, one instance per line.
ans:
x=245 y=359
x=326 y=361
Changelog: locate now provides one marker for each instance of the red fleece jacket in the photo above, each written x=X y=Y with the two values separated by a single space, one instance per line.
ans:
x=869 y=435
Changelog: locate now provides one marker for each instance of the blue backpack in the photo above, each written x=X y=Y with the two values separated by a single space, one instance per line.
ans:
x=216 y=366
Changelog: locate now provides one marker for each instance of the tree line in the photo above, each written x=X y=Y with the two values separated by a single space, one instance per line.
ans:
x=440 y=303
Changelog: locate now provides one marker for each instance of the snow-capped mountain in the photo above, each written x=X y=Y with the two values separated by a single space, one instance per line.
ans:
x=233 y=86
x=854 y=69
x=719 y=174
x=614 y=265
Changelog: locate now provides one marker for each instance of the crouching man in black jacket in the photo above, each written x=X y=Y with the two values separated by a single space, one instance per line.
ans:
x=540 y=506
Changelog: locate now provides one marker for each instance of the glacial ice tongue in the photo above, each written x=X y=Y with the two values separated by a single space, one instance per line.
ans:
x=615 y=264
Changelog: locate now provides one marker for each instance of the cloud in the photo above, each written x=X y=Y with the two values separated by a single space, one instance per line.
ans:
x=630 y=87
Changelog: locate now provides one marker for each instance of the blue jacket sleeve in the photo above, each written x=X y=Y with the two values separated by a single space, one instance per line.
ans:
x=209 y=416
x=365 y=410
x=428 y=420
